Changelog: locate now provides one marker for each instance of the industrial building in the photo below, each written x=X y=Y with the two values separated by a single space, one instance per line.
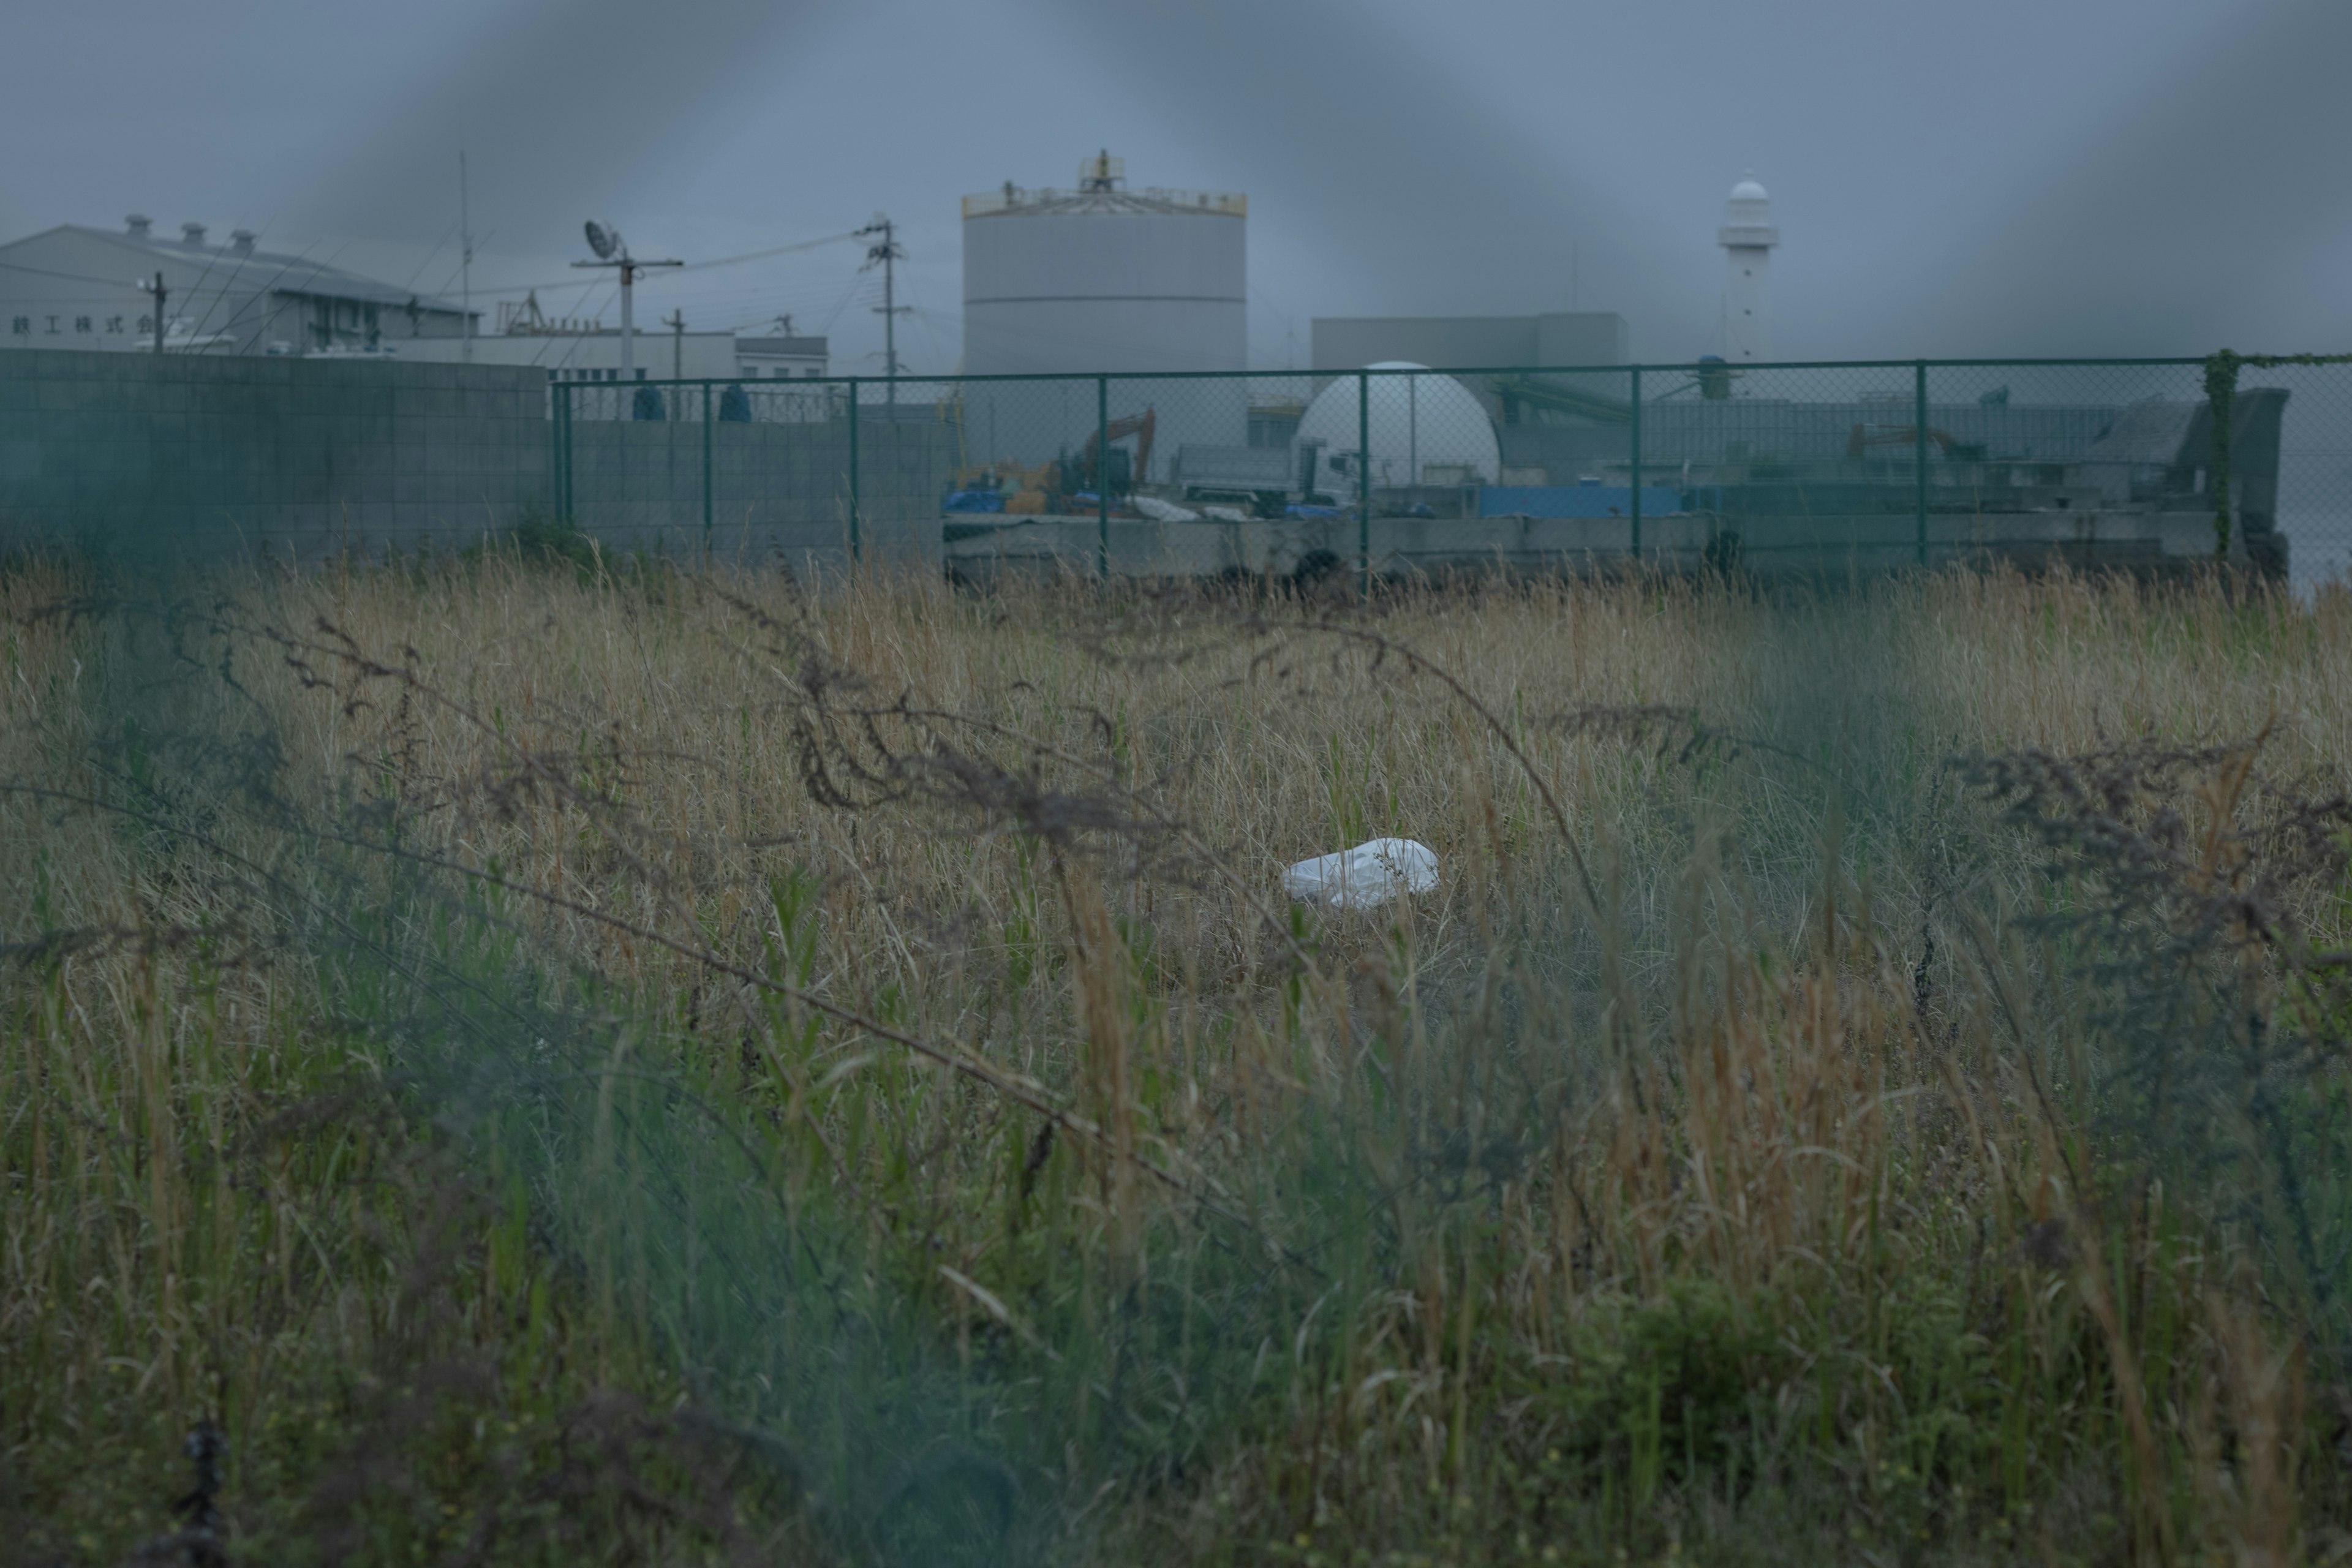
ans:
x=1526 y=447
x=1774 y=485
x=1481 y=342
x=781 y=357
x=77 y=288
x=1563 y=340
x=589 y=354
x=592 y=352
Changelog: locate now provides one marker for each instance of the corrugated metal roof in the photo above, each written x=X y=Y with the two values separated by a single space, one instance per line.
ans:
x=2149 y=434
x=267 y=270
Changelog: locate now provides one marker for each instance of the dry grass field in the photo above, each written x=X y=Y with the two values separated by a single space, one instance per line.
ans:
x=518 y=1062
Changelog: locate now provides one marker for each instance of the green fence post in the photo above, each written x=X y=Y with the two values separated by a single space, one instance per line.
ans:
x=1364 y=484
x=1919 y=451
x=564 y=487
x=856 y=553
x=556 y=448
x=1102 y=478
x=1636 y=508
x=706 y=471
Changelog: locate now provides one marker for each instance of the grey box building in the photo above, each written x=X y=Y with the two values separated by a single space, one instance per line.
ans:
x=1481 y=342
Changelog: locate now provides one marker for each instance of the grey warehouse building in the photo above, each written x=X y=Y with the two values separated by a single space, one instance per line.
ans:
x=1480 y=342
x=77 y=288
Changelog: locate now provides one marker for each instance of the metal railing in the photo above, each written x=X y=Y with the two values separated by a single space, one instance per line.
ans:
x=1377 y=472
x=1834 y=464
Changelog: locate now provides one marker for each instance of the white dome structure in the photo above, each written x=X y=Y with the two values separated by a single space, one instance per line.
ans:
x=1425 y=429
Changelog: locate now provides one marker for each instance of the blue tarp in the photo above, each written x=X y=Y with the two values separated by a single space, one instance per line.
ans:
x=975 y=501
x=1576 y=501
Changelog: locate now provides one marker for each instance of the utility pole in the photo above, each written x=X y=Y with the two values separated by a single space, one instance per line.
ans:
x=612 y=250
x=465 y=254
x=677 y=325
x=887 y=251
x=161 y=294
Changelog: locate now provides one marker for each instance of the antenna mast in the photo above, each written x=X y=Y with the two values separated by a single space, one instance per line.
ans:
x=888 y=252
x=612 y=250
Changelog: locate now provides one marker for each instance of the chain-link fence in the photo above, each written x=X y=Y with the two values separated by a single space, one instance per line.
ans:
x=1395 y=470
x=1391 y=472
x=190 y=454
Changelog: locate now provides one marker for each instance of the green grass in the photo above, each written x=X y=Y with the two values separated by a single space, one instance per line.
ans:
x=576 y=1068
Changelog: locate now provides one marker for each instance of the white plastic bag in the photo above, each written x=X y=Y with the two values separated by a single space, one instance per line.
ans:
x=1364 y=877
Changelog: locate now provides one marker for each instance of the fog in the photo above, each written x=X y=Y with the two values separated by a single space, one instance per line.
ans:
x=2110 y=176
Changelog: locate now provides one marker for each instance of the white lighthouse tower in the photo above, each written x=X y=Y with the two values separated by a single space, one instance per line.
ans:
x=1748 y=237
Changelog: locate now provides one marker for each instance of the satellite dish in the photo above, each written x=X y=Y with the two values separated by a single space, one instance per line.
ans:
x=601 y=240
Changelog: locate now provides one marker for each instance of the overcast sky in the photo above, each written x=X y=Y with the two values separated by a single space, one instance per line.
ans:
x=2007 y=176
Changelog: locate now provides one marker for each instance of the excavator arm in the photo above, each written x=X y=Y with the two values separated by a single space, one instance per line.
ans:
x=1866 y=437
x=1143 y=426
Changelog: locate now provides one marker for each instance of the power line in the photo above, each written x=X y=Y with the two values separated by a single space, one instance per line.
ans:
x=221 y=296
x=69 y=277
x=691 y=266
x=429 y=256
x=763 y=255
x=855 y=283
x=572 y=341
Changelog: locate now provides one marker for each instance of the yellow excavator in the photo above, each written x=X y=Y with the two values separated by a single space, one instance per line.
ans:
x=1049 y=486
x=1906 y=435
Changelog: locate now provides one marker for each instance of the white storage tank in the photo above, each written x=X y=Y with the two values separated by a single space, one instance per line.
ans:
x=1102 y=277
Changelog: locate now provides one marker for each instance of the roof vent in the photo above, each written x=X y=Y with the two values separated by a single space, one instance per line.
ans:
x=1102 y=173
x=240 y=242
x=137 y=223
x=191 y=235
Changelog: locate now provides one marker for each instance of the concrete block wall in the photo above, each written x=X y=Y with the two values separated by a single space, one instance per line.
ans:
x=187 y=455
x=778 y=490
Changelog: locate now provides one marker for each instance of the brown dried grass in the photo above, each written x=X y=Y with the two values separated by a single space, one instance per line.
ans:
x=197 y=1215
